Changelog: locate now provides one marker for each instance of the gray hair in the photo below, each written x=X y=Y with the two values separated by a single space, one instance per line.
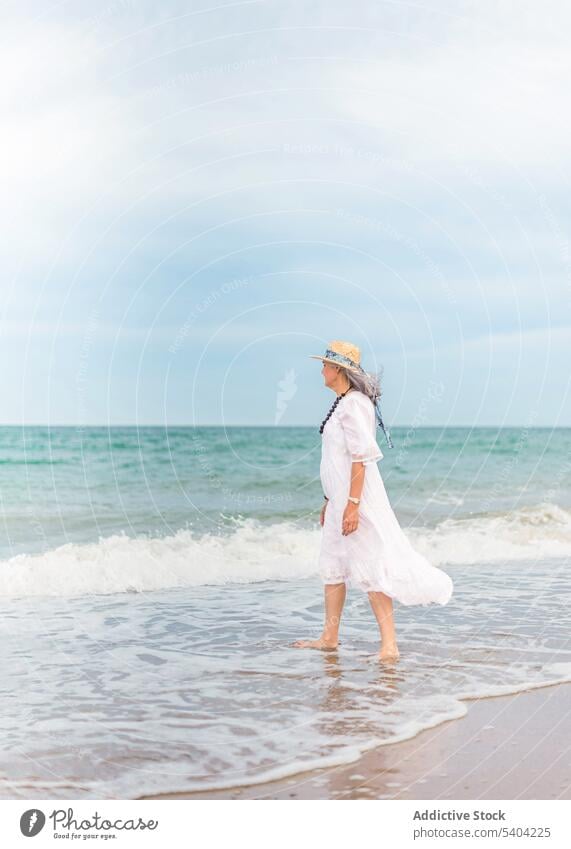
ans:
x=367 y=383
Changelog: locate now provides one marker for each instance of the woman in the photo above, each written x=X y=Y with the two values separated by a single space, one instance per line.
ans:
x=362 y=543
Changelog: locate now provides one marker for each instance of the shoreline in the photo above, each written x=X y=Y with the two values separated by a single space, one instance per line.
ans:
x=504 y=747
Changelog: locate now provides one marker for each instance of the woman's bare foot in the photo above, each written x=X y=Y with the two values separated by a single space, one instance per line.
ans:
x=321 y=643
x=389 y=652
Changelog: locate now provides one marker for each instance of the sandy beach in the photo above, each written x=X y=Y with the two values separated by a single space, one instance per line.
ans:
x=507 y=747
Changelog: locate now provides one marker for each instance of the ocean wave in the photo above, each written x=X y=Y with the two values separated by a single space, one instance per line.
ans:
x=528 y=533
x=120 y=563
x=253 y=552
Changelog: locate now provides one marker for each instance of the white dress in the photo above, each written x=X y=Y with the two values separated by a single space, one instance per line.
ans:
x=377 y=556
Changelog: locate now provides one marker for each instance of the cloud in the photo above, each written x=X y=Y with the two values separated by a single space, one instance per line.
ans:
x=498 y=106
x=123 y=93
x=151 y=152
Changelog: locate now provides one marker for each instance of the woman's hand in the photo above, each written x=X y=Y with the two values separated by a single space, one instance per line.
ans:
x=322 y=514
x=350 y=518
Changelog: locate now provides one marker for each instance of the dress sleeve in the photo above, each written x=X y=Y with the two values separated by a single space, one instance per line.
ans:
x=357 y=425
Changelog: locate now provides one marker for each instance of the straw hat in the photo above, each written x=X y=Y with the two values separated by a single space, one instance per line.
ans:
x=341 y=354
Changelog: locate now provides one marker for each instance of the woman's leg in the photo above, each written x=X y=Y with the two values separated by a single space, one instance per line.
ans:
x=383 y=609
x=334 y=601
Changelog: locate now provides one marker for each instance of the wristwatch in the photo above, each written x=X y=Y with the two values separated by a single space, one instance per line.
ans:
x=354 y=500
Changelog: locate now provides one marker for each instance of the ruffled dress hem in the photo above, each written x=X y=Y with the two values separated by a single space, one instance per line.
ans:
x=436 y=587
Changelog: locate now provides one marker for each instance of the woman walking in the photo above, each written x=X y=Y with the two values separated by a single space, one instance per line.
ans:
x=362 y=543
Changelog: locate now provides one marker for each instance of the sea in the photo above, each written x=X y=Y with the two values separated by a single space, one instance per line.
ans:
x=153 y=579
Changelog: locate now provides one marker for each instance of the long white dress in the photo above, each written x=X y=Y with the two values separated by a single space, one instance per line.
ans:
x=377 y=556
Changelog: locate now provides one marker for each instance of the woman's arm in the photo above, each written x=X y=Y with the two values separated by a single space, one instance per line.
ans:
x=357 y=480
x=357 y=419
x=351 y=512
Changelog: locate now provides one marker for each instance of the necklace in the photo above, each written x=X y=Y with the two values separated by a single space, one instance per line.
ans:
x=330 y=413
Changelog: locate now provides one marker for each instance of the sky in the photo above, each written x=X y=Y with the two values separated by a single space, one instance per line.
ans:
x=198 y=196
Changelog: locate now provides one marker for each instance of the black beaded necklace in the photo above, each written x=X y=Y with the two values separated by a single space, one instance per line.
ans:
x=330 y=413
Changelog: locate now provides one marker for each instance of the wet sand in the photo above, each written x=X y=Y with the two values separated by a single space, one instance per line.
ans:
x=507 y=747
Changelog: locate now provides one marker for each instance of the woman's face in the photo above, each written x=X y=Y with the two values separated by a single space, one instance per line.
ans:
x=330 y=373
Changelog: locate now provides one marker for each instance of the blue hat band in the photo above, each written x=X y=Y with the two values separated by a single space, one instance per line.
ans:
x=341 y=359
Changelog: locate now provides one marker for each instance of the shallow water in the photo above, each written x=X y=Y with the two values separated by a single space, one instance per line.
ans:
x=196 y=688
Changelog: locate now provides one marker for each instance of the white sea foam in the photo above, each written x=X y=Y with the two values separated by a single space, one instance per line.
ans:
x=527 y=533
x=119 y=563
x=255 y=552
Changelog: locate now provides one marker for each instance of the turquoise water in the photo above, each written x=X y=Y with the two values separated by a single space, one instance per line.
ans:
x=152 y=580
x=67 y=485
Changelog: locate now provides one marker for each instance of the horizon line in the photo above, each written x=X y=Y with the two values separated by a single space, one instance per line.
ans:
x=222 y=426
